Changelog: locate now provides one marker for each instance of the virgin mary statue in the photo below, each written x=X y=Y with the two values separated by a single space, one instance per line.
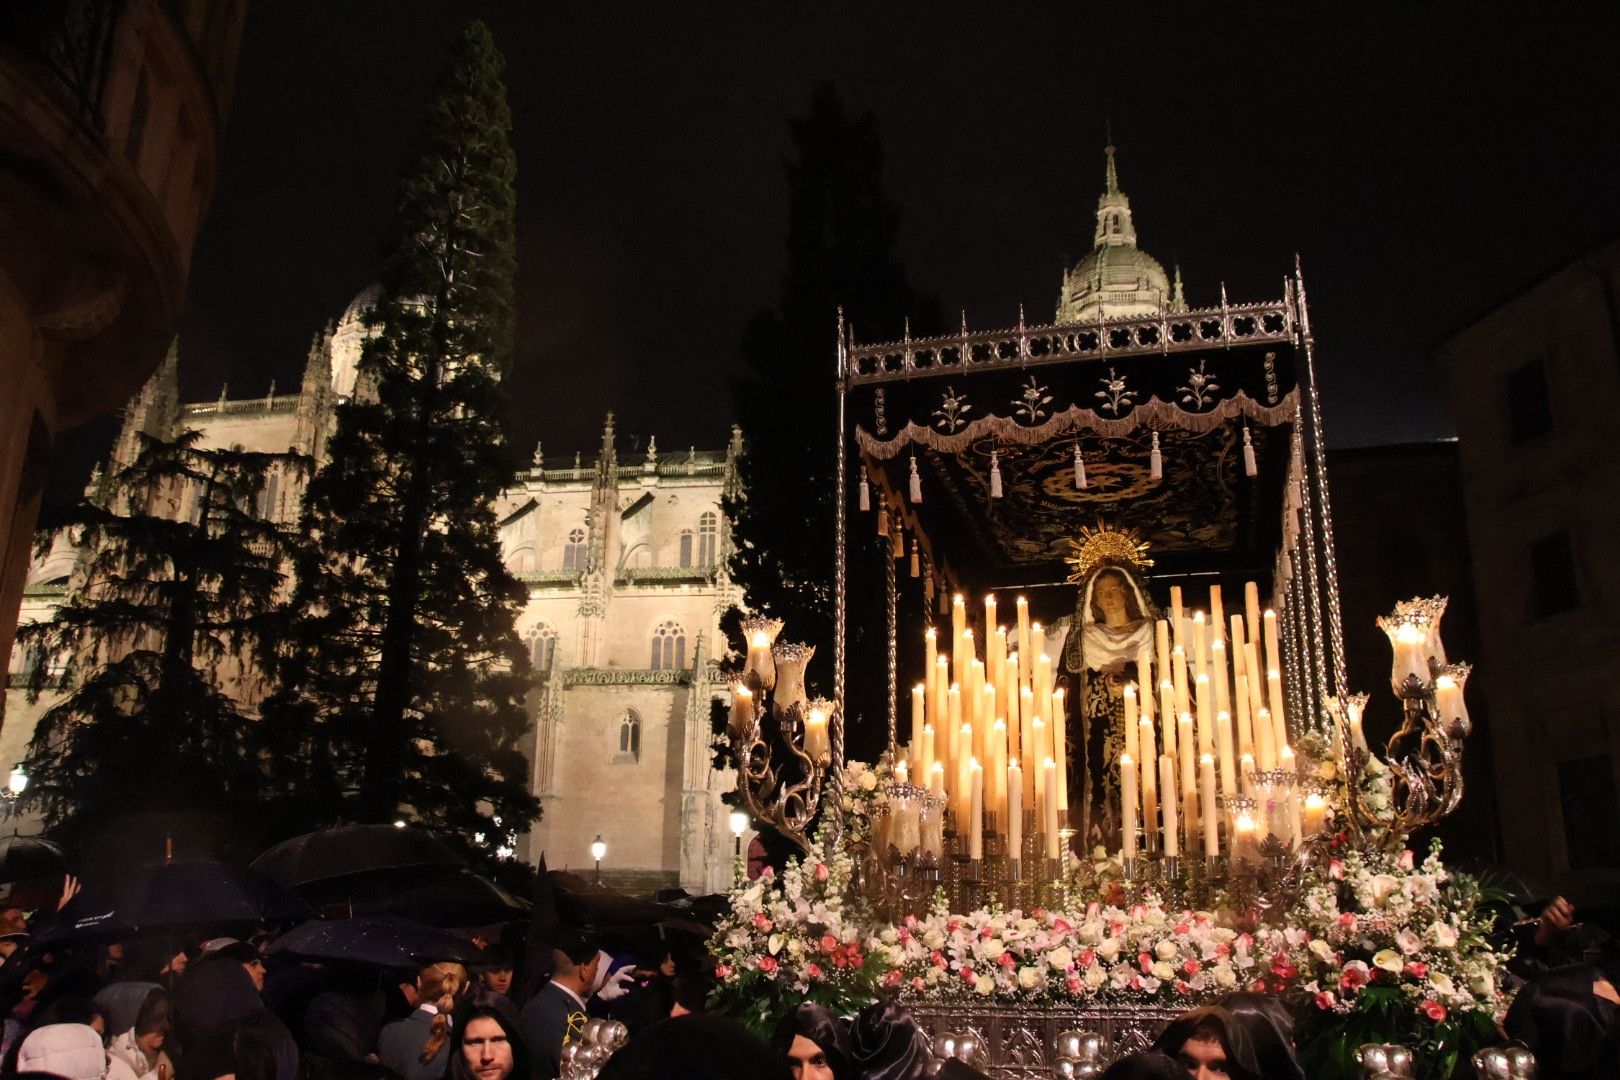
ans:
x=1098 y=646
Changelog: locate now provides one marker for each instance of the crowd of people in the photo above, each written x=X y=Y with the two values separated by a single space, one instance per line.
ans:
x=155 y=1008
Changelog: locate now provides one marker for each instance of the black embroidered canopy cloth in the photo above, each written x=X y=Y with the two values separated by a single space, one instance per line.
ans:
x=1020 y=402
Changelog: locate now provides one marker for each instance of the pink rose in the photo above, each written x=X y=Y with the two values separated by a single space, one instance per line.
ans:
x=967 y=975
x=937 y=958
x=1405 y=861
x=1335 y=869
x=1182 y=928
x=1355 y=976
x=1061 y=925
x=1417 y=969
x=1192 y=967
x=722 y=971
x=1433 y=1010
x=1072 y=985
x=767 y=964
x=1145 y=962
x=821 y=871
x=893 y=978
x=1183 y=988
x=1347 y=919
x=813 y=970
x=1007 y=960
x=828 y=943
x=1088 y=957
x=1324 y=1000
x=917 y=983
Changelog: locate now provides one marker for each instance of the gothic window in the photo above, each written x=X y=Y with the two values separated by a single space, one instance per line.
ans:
x=522 y=561
x=708 y=538
x=267 y=496
x=574 y=550
x=630 y=735
x=669 y=646
x=686 y=547
x=542 y=640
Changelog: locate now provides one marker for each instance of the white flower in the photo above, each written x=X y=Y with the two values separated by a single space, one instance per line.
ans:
x=1383 y=886
x=1482 y=985
x=868 y=782
x=1029 y=978
x=1108 y=949
x=1443 y=936
x=1321 y=950
x=775 y=944
x=1408 y=941
x=1388 y=960
x=1165 y=950
x=1060 y=958
x=1163 y=970
x=934 y=938
x=985 y=985
x=1095 y=976
x=1225 y=977
x=1442 y=983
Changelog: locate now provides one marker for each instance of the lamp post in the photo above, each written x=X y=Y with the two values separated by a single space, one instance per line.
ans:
x=739 y=825
x=17 y=782
x=598 y=852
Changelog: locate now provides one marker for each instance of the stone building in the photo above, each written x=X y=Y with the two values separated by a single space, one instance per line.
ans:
x=110 y=120
x=1535 y=387
x=624 y=557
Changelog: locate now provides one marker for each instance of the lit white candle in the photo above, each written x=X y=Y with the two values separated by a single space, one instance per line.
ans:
x=958 y=621
x=919 y=720
x=1172 y=824
x=1223 y=747
x=1206 y=789
x=1040 y=740
x=928 y=756
x=1218 y=676
x=1274 y=699
x=930 y=652
x=1251 y=607
x=1144 y=679
x=985 y=722
x=953 y=729
x=996 y=799
x=1265 y=741
x=1246 y=774
x=1273 y=659
x=1448 y=699
x=1177 y=630
x=1167 y=713
x=1060 y=751
x=1131 y=718
x=989 y=615
x=1217 y=615
x=1037 y=644
x=1178 y=673
x=1128 y=808
x=1161 y=637
x=1245 y=730
x=1256 y=676
x=975 y=811
x=1049 y=801
x=936 y=781
x=1206 y=716
x=1315 y=816
x=1024 y=655
x=742 y=708
x=1244 y=842
x=1150 y=780
x=1026 y=713
x=1200 y=646
x=1015 y=809
x=964 y=773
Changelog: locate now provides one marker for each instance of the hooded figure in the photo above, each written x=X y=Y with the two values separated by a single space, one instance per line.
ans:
x=137 y=1053
x=70 y=1051
x=885 y=1043
x=812 y=1035
x=218 y=1009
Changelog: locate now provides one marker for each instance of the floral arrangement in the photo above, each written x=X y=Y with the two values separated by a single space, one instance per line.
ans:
x=1395 y=951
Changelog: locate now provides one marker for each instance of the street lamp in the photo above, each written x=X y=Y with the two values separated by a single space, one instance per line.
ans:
x=598 y=852
x=18 y=781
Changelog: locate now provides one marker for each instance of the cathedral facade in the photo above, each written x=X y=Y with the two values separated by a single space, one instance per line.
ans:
x=623 y=553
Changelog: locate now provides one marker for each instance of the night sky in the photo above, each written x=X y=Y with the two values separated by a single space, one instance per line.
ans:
x=1424 y=165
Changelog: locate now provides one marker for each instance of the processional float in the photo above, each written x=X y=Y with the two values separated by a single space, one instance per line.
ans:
x=1132 y=682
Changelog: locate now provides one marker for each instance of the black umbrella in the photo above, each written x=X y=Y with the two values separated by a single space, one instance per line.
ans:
x=181 y=892
x=378 y=940
x=439 y=895
x=31 y=858
x=352 y=849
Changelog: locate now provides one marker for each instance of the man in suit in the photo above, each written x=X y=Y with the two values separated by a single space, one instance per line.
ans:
x=555 y=1015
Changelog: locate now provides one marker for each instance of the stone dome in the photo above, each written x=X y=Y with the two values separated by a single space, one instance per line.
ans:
x=349 y=338
x=1116 y=279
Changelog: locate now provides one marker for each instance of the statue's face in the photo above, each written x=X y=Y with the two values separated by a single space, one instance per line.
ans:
x=1110 y=597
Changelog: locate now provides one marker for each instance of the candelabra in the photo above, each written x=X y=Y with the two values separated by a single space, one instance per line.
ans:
x=1424 y=757
x=789 y=749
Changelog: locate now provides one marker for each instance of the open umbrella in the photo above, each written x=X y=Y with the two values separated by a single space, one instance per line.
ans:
x=31 y=858
x=438 y=895
x=180 y=892
x=352 y=849
x=378 y=940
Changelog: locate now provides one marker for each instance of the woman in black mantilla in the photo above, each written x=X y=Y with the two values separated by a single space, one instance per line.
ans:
x=1098 y=647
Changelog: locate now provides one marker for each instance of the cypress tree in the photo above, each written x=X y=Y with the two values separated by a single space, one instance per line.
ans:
x=843 y=231
x=405 y=675
x=182 y=576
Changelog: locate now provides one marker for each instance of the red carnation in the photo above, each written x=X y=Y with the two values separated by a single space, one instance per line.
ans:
x=893 y=978
x=1191 y=967
x=722 y=971
x=1006 y=960
x=813 y=970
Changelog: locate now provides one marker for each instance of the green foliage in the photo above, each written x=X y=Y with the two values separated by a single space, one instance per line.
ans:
x=154 y=639
x=404 y=674
x=842 y=235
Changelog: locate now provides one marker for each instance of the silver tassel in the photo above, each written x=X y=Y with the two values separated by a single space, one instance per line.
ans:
x=866 y=495
x=883 y=522
x=1249 y=467
x=1080 y=481
x=1156 y=460
x=898 y=547
x=916 y=568
x=995 y=475
x=916 y=481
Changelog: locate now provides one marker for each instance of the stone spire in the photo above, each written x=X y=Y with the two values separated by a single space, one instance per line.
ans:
x=1178 y=298
x=1116 y=279
x=153 y=410
x=1114 y=225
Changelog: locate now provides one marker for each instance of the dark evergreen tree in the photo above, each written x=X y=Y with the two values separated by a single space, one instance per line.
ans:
x=842 y=234
x=183 y=574
x=404 y=676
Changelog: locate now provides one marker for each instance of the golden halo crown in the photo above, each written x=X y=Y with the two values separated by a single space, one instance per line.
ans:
x=1106 y=546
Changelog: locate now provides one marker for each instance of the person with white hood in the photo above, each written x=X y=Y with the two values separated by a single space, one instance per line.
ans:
x=69 y=1051
x=138 y=1052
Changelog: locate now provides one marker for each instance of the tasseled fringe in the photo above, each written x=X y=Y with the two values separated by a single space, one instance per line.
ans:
x=898 y=545
x=916 y=563
x=916 y=481
x=995 y=475
x=1156 y=460
x=1249 y=467
x=883 y=522
x=1080 y=481
x=866 y=495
